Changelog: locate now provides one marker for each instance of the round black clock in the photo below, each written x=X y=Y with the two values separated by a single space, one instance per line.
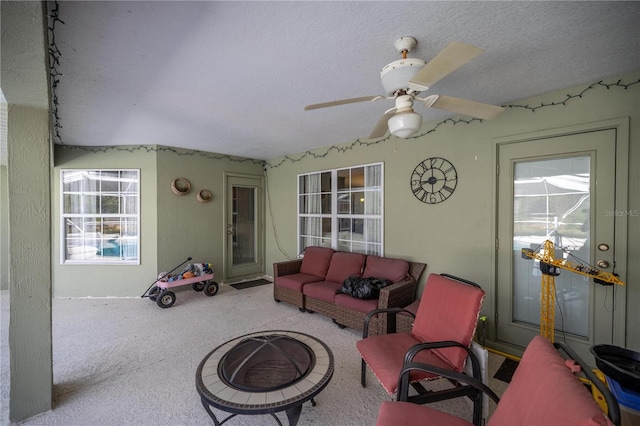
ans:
x=433 y=180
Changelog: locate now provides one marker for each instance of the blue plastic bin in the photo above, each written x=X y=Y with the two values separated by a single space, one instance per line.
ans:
x=629 y=401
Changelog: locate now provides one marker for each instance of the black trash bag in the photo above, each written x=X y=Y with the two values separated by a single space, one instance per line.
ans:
x=364 y=288
x=348 y=285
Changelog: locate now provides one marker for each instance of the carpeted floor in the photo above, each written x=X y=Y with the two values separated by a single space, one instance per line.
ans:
x=129 y=362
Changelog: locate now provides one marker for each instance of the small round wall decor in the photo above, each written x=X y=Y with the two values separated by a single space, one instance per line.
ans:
x=181 y=186
x=204 y=196
x=433 y=180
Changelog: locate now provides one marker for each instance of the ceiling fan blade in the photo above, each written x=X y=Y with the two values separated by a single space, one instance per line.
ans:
x=381 y=127
x=471 y=108
x=448 y=60
x=341 y=102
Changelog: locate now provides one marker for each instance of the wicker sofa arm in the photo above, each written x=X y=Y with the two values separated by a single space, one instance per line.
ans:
x=402 y=293
x=286 y=268
x=397 y=295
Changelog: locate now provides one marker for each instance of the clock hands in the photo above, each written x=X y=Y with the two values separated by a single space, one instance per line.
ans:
x=432 y=180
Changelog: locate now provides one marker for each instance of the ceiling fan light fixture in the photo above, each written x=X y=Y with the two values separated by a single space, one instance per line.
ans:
x=405 y=124
x=397 y=74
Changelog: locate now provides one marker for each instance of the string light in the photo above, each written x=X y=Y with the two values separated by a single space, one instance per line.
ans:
x=54 y=62
x=178 y=152
x=55 y=55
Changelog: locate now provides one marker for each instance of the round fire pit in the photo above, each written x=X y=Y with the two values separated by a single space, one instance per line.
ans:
x=264 y=373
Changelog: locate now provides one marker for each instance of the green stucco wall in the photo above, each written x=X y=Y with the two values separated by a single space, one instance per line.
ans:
x=4 y=229
x=26 y=210
x=173 y=227
x=458 y=235
x=29 y=262
x=187 y=227
x=111 y=280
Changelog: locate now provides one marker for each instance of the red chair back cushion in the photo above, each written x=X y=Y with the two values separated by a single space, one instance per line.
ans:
x=544 y=391
x=448 y=310
x=316 y=261
x=394 y=270
x=343 y=265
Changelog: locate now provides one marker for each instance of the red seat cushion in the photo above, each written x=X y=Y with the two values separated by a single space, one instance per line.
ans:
x=448 y=310
x=355 y=304
x=322 y=290
x=394 y=270
x=384 y=354
x=316 y=261
x=543 y=391
x=398 y=413
x=296 y=281
x=343 y=265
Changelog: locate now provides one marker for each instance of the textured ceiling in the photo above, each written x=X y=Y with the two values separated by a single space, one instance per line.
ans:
x=234 y=77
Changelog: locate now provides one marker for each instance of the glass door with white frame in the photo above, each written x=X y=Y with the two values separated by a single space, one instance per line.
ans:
x=556 y=189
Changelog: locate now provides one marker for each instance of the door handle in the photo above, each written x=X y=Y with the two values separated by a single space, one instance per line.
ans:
x=603 y=264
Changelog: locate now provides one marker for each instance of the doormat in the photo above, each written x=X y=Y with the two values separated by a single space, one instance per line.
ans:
x=506 y=370
x=249 y=284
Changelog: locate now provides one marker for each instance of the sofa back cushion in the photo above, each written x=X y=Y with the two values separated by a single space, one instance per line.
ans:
x=543 y=390
x=448 y=310
x=316 y=261
x=394 y=270
x=343 y=265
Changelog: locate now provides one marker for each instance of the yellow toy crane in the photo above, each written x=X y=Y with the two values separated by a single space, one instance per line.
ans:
x=550 y=268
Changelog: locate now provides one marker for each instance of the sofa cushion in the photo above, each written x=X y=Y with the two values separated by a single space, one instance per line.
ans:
x=296 y=281
x=394 y=270
x=343 y=265
x=539 y=392
x=316 y=261
x=355 y=304
x=322 y=290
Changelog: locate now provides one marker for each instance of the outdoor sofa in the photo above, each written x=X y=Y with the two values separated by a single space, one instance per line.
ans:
x=313 y=284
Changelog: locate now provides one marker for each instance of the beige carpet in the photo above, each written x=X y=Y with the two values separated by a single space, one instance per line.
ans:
x=129 y=362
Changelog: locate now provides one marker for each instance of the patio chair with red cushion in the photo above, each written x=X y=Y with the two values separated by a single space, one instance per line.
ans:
x=440 y=337
x=545 y=390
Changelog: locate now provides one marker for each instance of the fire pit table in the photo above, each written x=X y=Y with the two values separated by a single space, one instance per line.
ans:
x=264 y=373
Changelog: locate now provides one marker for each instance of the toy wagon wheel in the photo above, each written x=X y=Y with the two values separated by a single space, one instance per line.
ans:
x=153 y=293
x=211 y=288
x=166 y=299
x=198 y=286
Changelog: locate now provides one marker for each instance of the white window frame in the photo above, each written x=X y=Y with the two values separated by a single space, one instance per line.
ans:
x=372 y=194
x=93 y=241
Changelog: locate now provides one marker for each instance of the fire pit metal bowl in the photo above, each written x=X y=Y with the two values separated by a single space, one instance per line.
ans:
x=266 y=363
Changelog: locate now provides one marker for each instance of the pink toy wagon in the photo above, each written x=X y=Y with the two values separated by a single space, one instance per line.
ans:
x=159 y=290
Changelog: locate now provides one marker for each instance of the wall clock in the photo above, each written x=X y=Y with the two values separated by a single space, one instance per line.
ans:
x=433 y=180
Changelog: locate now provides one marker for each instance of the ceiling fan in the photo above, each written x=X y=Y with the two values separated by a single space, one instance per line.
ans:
x=404 y=79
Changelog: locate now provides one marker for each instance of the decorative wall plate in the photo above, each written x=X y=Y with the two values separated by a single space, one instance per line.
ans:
x=181 y=186
x=204 y=196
